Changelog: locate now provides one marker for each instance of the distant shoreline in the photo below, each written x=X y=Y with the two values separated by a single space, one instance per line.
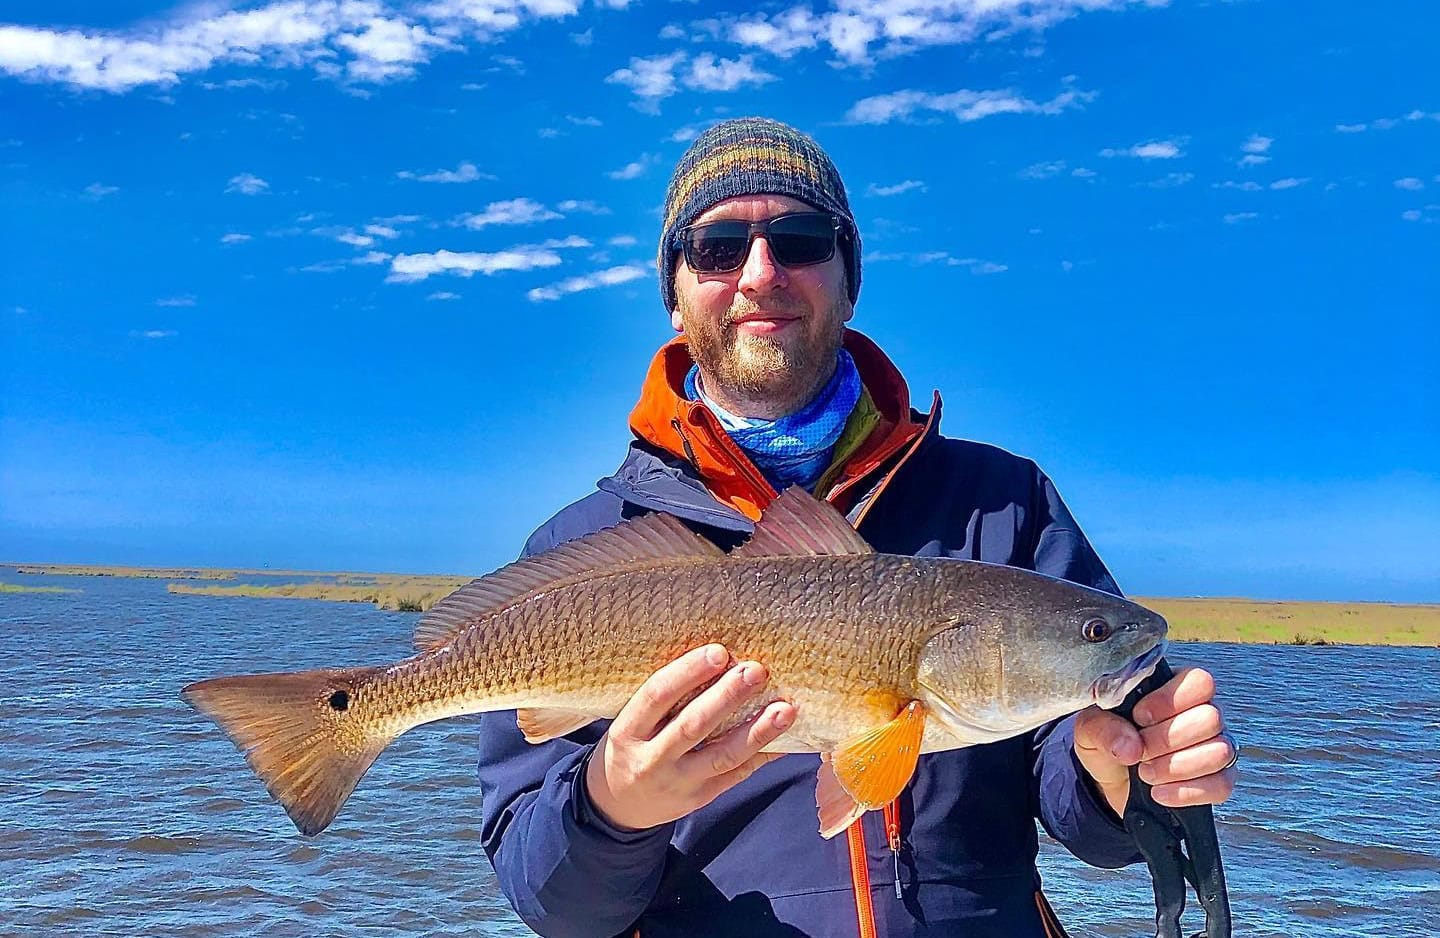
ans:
x=1245 y=621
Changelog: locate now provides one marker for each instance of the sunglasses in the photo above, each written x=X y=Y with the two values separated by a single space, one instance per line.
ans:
x=798 y=239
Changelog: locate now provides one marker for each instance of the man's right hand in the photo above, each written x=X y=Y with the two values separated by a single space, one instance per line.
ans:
x=646 y=770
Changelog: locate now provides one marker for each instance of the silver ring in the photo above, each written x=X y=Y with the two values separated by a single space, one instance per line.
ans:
x=1234 y=751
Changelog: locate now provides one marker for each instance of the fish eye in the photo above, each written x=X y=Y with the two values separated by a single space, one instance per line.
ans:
x=1096 y=630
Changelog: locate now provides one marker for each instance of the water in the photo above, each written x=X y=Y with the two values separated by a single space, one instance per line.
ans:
x=125 y=813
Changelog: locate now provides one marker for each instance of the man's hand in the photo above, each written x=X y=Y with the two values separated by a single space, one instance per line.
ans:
x=646 y=770
x=1179 y=745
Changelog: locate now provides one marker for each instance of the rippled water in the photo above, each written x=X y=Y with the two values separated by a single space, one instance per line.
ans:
x=126 y=813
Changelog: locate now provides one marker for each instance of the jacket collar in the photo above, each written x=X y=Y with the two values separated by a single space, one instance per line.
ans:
x=687 y=433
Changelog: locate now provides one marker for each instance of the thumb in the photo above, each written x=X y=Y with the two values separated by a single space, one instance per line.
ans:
x=1106 y=744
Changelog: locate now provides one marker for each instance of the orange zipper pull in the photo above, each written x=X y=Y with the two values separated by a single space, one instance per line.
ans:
x=892 y=834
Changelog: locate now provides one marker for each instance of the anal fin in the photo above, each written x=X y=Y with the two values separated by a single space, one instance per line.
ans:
x=869 y=770
x=542 y=724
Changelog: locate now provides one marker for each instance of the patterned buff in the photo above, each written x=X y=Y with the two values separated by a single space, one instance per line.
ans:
x=795 y=449
x=753 y=156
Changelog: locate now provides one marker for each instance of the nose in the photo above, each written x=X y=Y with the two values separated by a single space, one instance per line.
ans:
x=761 y=273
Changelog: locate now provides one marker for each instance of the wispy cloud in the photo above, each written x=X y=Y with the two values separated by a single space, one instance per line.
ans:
x=609 y=277
x=443 y=295
x=1150 y=150
x=585 y=206
x=234 y=237
x=153 y=333
x=247 y=184
x=896 y=189
x=1255 y=150
x=409 y=268
x=944 y=258
x=964 y=105
x=1411 y=183
x=465 y=172
x=176 y=301
x=652 y=79
x=1170 y=181
x=1234 y=218
x=99 y=191
x=635 y=169
x=350 y=41
x=1388 y=123
x=521 y=211
x=1290 y=182
x=622 y=241
x=584 y=121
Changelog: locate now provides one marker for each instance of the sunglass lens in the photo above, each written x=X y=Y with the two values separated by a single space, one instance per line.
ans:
x=717 y=247
x=798 y=240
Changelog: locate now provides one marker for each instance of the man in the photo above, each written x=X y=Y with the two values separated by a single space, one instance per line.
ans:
x=629 y=828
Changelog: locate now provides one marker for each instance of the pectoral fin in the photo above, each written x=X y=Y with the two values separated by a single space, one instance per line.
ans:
x=541 y=725
x=868 y=771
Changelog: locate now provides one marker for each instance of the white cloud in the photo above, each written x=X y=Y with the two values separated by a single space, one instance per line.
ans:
x=945 y=258
x=571 y=241
x=99 y=191
x=1252 y=159
x=584 y=121
x=1081 y=172
x=1045 y=170
x=1388 y=123
x=622 y=241
x=443 y=295
x=371 y=257
x=521 y=211
x=1170 y=180
x=658 y=77
x=1237 y=217
x=609 y=277
x=1247 y=186
x=409 y=268
x=345 y=40
x=1410 y=183
x=234 y=237
x=1151 y=150
x=176 y=301
x=1413 y=214
x=247 y=184
x=465 y=172
x=1257 y=144
x=964 y=105
x=153 y=333
x=1289 y=182
x=633 y=170
x=897 y=188
x=582 y=205
x=381 y=231
x=353 y=239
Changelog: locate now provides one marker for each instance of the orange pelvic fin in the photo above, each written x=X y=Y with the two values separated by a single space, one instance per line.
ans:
x=868 y=771
x=541 y=725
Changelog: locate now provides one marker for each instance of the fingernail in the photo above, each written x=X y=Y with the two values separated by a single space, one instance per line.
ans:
x=784 y=718
x=716 y=654
x=752 y=674
x=1125 y=750
x=1141 y=713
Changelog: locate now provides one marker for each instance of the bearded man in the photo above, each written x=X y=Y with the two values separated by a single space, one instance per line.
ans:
x=627 y=828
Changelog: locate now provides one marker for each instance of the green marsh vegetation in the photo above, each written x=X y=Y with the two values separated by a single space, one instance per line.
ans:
x=386 y=591
x=1299 y=623
x=19 y=588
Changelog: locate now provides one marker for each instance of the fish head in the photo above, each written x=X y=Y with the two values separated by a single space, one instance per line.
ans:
x=1025 y=649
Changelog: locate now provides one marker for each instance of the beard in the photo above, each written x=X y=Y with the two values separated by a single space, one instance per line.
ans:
x=765 y=376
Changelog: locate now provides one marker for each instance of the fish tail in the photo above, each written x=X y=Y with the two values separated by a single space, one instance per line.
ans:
x=306 y=734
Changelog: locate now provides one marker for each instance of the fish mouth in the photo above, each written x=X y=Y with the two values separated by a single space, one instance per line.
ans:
x=1110 y=689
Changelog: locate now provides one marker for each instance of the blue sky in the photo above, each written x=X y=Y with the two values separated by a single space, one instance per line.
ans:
x=369 y=285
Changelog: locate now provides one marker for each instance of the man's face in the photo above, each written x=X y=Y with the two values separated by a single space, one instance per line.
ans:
x=765 y=336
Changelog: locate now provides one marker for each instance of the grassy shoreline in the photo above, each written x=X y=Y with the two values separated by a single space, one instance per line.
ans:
x=1245 y=621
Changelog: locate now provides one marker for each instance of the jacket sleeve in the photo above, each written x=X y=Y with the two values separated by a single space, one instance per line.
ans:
x=1063 y=796
x=567 y=872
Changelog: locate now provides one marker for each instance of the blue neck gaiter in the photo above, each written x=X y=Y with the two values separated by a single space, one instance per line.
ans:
x=795 y=449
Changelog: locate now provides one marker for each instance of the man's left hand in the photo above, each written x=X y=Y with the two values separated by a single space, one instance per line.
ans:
x=1180 y=744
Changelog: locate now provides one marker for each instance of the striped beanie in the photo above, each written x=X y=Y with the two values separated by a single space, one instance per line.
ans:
x=753 y=156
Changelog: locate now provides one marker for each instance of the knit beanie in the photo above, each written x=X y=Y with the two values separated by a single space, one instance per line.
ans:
x=754 y=156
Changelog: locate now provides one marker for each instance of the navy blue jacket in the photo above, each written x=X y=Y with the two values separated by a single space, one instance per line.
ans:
x=750 y=863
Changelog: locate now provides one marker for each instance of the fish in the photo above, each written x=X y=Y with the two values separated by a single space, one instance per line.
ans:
x=884 y=656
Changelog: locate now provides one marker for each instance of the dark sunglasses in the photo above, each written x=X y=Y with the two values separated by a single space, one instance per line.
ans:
x=798 y=239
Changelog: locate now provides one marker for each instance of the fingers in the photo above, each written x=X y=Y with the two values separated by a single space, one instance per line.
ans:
x=1190 y=687
x=699 y=718
x=1106 y=743
x=1210 y=789
x=1194 y=726
x=647 y=709
x=739 y=747
x=1210 y=757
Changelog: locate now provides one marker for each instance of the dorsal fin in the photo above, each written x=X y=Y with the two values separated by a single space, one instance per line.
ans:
x=796 y=524
x=649 y=537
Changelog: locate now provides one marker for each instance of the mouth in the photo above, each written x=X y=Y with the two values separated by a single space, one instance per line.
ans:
x=763 y=322
x=1110 y=689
